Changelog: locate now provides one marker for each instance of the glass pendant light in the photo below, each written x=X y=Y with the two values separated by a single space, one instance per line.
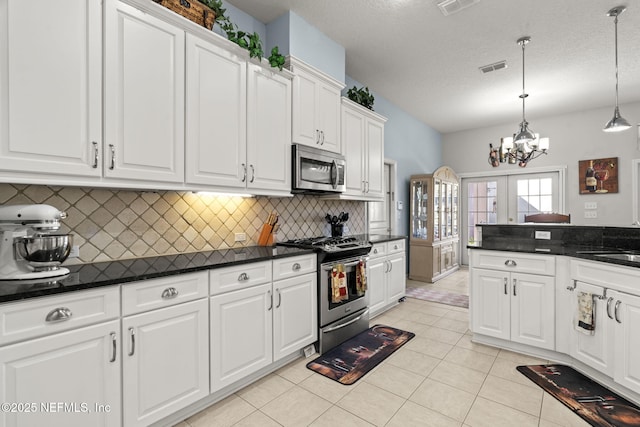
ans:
x=617 y=123
x=524 y=135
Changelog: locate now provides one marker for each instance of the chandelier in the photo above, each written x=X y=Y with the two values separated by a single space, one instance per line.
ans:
x=525 y=145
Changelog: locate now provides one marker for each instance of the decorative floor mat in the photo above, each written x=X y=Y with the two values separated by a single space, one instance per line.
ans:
x=593 y=402
x=349 y=361
x=435 y=295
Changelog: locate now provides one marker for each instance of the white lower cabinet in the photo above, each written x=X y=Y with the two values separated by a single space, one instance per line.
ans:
x=69 y=379
x=260 y=321
x=625 y=310
x=511 y=305
x=165 y=361
x=386 y=278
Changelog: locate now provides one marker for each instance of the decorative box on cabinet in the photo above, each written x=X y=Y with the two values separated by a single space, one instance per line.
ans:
x=316 y=107
x=363 y=148
x=433 y=245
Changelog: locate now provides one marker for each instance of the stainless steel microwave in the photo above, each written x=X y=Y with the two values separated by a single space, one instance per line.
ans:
x=317 y=171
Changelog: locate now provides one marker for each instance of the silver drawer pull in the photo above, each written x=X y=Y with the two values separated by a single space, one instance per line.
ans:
x=510 y=263
x=243 y=277
x=132 y=342
x=114 y=347
x=112 y=164
x=609 y=301
x=395 y=246
x=59 y=315
x=375 y=251
x=616 y=309
x=169 y=293
x=296 y=267
x=95 y=154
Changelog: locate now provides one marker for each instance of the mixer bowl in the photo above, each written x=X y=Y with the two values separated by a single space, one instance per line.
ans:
x=44 y=252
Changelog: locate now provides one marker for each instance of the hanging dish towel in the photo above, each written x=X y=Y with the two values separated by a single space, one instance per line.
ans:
x=342 y=283
x=586 y=321
x=335 y=286
x=361 y=278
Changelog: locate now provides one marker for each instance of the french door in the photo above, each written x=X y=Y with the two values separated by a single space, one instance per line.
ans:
x=506 y=199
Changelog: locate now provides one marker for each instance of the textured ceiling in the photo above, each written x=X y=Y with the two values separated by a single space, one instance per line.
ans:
x=427 y=64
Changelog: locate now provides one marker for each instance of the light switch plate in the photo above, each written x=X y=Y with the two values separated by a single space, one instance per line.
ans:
x=591 y=205
x=240 y=237
x=591 y=214
x=399 y=205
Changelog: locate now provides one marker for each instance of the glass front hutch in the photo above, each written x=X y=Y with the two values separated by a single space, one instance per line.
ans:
x=433 y=244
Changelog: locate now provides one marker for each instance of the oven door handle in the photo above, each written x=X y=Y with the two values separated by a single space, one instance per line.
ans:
x=329 y=267
x=342 y=325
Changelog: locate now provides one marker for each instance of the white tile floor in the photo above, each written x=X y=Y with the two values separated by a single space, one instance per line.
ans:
x=439 y=378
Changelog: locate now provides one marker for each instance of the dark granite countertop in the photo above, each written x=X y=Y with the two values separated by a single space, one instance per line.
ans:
x=577 y=241
x=87 y=276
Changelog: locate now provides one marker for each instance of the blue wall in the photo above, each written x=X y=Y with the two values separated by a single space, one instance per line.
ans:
x=415 y=146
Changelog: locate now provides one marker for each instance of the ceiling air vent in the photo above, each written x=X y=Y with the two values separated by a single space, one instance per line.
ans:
x=449 y=7
x=493 y=67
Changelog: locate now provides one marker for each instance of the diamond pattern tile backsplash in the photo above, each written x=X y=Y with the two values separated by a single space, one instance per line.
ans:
x=111 y=224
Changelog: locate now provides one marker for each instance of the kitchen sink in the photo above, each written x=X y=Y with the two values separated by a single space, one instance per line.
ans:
x=622 y=257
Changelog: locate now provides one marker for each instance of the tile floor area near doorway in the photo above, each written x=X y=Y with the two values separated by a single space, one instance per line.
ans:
x=439 y=378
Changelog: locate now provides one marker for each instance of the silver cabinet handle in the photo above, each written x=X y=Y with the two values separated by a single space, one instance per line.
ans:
x=132 y=342
x=395 y=246
x=243 y=277
x=571 y=288
x=609 y=300
x=59 y=314
x=296 y=267
x=270 y=299
x=514 y=287
x=112 y=165
x=114 y=347
x=390 y=266
x=510 y=263
x=322 y=137
x=506 y=292
x=95 y=155
x=169 y=293
x=253 y=173
x=375 y=251
x=279 y=298
x=244 y=176
x=616 y=311
x=317 y=136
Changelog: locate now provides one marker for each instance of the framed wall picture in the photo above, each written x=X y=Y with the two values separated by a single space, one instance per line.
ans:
x=598 y=176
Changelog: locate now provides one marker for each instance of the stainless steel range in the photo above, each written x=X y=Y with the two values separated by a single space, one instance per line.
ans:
x=339 y=318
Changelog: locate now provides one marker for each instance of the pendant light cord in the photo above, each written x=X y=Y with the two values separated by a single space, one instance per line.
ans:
x=523 y=42
x=615 y=21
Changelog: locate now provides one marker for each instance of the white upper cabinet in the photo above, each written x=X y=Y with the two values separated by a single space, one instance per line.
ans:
x=216 y=115
x=363 y=148
x=50 y=87
x=268 y=131
x=316 y=107
x=144 y=96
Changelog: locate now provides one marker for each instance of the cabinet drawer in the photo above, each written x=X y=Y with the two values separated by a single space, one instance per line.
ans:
x=395 y=246
x=227 y=279
x=378 y=250
x=155 y=293
x=512 y=261
x=27 y=319
x=284 y=268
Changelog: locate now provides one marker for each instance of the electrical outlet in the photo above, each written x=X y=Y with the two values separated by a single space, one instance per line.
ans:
x=591 y=205
x=75 y=251
x=591 y=214
x=240 y=237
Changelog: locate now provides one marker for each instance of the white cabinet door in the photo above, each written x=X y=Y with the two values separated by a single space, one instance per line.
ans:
x=376 y=284
x=79 y=368
x=490 y=303
x=268 y=130
x=216 y=115
x=626 y=313
x=329 y=117
x=241 y=334
x=165 y=361
x=51 y=86
x=144 y=96
x=533 y=310
x=305 y=110
x=353 y=148
x=295 y=314
x=375 y=159
x=396 y=282
x=594 y=350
